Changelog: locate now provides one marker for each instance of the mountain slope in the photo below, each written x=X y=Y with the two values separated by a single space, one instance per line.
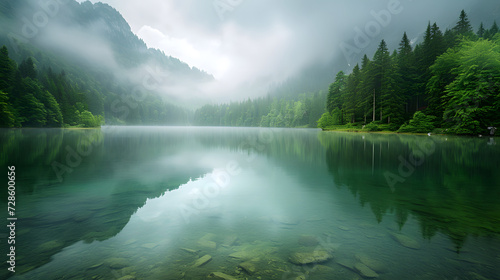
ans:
x=105 y=67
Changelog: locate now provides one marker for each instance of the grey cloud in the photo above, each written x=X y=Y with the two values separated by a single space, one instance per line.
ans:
x=315 y=29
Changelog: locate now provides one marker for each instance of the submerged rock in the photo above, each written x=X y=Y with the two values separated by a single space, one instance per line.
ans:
x=285 y=220
x=229 y=240
x=308 y=240
x=376 y=265
x=248 y=267
x=203 y=260
x=208 y=236
x=406 y=241
x=95 y=266
x=128 y=277
x=51 y=246
x=149 y=245
x=243 y=255
x=220 y=275
x=347 y=263
x=365 y=271
x=191 y=251
x=206 y=241
x=301 y=258
x=116 y=263
x=344 y=228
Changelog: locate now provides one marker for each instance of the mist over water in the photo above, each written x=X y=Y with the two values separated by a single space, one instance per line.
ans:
x=149 y=202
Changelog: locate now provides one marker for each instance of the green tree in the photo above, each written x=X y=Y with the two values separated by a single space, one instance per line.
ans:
x=419 y=124
x=490 y=33
x=335 y=91
x=407 y=74
x=463 y=26
x=27 y=69
x=481 y=31
x=326 y=120
x=471 y=100
x=7 y=69
x=352 y=95
x=7 y=116
x=366 y=89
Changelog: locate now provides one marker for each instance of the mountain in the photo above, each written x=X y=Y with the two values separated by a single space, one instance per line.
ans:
x=318 y=76
x=87 y=57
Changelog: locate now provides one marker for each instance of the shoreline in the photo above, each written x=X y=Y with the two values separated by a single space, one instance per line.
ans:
x=404 y=133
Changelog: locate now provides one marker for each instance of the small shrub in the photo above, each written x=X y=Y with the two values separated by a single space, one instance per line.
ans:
x=420 y=123
x=372 y=127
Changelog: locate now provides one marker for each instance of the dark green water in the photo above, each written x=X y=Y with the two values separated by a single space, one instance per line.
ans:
x=148 y=202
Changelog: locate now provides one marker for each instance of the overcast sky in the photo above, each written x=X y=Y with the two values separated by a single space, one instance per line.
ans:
x=248 y=41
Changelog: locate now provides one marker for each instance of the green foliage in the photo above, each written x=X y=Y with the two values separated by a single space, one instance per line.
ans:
x=457 y=72
x=7 y=69
x=420 y=123
x=27 y=68
x=334 y=98
x=470 y=98
x=86 y=119
x=373 y=126
x=7 y=117
x=264 y=112
x=326 y=120
x=463 y=26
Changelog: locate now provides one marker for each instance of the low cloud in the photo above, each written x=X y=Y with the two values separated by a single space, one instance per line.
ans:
x=257 y=43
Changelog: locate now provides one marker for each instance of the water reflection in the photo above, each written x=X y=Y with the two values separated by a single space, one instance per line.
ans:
x=450 y=187
x=148 y=201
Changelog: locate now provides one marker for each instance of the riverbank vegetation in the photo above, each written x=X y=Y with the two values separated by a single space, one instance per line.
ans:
x=448 y=83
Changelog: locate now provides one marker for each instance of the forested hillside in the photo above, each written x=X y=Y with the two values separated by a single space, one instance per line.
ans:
x=451 y=80
x=303 y=111
x=81 y=66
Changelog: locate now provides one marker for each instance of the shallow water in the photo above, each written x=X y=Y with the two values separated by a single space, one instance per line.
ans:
x=149 y=202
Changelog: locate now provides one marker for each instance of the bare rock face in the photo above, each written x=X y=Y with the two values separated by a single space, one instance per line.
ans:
x=317 y=257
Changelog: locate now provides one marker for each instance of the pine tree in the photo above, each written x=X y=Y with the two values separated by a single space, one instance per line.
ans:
x=490 y=33
x=7 y=116
x=7 y=69
x=481 y=31
x=437 y=43
x=366 y=88
x=351 y=99
x=463 y=26
x=334 y=99
x=407 y=73
x=379 y=73
x=27 y=68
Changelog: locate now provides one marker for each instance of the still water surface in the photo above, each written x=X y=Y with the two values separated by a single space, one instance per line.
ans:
x=249 y=203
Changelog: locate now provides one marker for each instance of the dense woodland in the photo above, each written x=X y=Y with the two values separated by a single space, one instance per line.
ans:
x=46 y=87
x=451 y=81
x=302 y=111
x=26 y=97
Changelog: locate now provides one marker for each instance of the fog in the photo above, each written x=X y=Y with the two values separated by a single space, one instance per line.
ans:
x=248 y=45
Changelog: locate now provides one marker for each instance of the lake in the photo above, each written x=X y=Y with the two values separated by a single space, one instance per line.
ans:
x=251 y=203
